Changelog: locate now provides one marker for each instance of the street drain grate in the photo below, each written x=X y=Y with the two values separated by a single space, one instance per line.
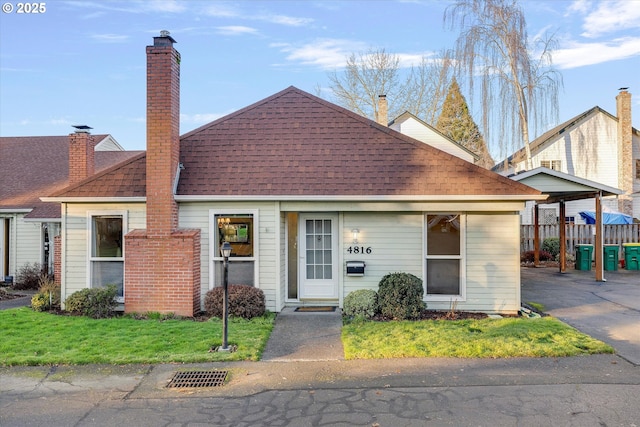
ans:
x=197 y=379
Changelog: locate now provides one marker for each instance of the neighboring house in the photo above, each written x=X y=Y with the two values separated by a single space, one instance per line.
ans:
x=594 y=145
x=31 y=167
x=409 y=124
x=315 y=200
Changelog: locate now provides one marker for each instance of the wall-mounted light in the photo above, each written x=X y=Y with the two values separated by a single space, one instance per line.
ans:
x=354 y=233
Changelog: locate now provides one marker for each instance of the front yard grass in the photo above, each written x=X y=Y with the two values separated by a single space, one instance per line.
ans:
x=32 y=338
x=484 y=338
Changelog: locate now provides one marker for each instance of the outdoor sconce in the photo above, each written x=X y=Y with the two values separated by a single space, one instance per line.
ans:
x=225 y=251
x=355 y=233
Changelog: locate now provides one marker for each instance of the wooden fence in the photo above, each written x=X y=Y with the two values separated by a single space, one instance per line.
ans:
x=580 y=234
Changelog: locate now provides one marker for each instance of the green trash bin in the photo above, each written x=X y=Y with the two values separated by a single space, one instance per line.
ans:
x=610 y=255
x=584 y=255
x=631 y=256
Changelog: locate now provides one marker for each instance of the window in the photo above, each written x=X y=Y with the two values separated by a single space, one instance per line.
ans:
x=556 y=165
x=637 y=168
x=106 y=252
x=444 y=263
x=239 y=230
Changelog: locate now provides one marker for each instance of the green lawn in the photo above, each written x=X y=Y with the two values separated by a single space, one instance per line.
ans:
x=32 y=338
x=487 y=338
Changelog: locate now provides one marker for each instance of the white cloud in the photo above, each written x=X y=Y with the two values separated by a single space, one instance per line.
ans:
x=610 y=16
x=285 y=20
x=236 y=30
x=324 y=53
x=110 y=38
x=577 y=54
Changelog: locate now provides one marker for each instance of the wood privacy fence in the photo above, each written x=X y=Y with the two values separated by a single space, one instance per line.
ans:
x=580 y=234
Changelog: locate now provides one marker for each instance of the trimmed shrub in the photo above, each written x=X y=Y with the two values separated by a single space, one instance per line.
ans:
x=361 y=303
x=97 y=303
x=400 y=296
x=551 y=245
x=28 y=277
x=244 y=301
x=529 y=255
x=48 y=296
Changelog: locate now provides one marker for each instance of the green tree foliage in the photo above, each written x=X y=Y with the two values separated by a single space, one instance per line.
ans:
x=456 y=123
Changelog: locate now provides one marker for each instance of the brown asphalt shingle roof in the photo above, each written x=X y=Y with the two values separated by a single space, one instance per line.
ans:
x=296 y=144
x=36 y=166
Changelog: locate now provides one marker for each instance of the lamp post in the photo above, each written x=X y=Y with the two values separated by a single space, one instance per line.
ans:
x=225 y=251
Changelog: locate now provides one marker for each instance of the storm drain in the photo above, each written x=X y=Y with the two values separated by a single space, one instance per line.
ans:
x=197 y=379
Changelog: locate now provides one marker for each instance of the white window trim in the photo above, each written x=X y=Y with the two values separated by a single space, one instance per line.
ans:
x=214 y=250
x=462 y=257
x=91 y=258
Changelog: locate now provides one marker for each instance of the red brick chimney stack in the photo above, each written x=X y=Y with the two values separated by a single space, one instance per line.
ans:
x=625 y=152
x=163 y=134
x=81 y=154
x=162 y=262
x=382 y=117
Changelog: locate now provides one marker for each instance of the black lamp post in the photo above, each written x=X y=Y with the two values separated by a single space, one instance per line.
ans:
x=225 y=251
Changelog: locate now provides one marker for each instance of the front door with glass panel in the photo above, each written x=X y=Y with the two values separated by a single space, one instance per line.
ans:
x=318 y=256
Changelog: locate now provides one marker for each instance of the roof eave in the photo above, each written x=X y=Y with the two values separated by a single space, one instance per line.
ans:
x=382 y=198
x=85 y=199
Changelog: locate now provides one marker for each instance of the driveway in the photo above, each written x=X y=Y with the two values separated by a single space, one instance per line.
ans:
x=608 y=311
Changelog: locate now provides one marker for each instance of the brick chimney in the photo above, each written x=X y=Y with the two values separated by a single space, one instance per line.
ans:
x=163 y=134
x=162 y=262
x=81 y=154
x=382 y=114
x=625 y=153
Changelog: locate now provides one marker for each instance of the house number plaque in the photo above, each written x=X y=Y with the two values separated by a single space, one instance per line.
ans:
x=359 y=250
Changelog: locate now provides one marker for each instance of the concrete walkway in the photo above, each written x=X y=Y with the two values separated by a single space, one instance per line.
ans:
x=305 y=337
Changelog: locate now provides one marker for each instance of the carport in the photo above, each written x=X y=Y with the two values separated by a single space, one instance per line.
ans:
x=561 y=188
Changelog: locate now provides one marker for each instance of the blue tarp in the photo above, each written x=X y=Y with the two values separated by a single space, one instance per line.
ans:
x=607 y=217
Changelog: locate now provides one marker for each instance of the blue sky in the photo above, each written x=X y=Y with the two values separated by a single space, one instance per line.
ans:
x=83 y=62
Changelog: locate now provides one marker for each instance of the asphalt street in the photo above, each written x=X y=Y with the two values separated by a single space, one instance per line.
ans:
x=303 y=379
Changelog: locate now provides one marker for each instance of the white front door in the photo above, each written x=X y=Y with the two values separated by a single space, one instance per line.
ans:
x=318 y=266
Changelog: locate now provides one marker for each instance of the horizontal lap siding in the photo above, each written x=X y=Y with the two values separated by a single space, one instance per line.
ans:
x=196 y=215
x=492 y=263
x=395 y=240
x=28 y=244
x=76 y=276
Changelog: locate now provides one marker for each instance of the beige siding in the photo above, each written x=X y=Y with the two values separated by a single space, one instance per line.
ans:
x=492 y=264
x=28 y=242
x=196 y=215
x=395 y=239
x=413 y=128
x=75 y=256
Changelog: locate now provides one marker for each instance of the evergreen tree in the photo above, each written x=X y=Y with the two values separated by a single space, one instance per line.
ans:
x=456 y=123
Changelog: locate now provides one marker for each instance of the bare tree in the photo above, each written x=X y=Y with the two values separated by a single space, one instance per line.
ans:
x=420 y=89
x=517 y=90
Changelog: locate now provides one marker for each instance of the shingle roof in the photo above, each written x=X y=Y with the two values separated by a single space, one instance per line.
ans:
x=36 y=166
x=296 y=144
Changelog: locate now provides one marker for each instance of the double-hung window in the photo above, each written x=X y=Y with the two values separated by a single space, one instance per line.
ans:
x=106 y=250
x=444 y=256
x=239 y=228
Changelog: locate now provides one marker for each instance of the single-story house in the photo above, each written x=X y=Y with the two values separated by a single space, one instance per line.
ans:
x=33 y=166
x=315 y=200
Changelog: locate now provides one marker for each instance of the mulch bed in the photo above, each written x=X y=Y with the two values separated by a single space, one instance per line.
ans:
x=440 y=315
